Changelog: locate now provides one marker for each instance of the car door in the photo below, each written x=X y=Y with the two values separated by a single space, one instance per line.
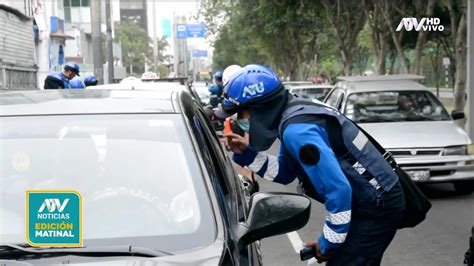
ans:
x=236 y=205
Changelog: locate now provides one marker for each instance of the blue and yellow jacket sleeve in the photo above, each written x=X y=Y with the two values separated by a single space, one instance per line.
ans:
x=309 y=145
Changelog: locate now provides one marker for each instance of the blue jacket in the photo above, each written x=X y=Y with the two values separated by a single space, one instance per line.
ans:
x=56 y=80
x=216 y=89
x=342 y=179
x=326 y=176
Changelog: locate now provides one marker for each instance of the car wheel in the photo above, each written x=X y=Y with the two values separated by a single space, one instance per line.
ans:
x=464 y=187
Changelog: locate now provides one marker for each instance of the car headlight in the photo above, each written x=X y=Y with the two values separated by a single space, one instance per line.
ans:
x=455 y=150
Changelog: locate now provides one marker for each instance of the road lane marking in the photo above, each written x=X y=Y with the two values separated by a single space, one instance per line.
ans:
x=295 y=241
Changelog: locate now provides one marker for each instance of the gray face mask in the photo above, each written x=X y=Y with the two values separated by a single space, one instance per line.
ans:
x=244 y=124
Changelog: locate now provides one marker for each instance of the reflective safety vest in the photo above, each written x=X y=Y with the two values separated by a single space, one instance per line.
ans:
x=365 y=167
x=60 y=76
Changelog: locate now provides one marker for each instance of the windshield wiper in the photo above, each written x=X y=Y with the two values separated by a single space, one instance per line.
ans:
x=20 y=252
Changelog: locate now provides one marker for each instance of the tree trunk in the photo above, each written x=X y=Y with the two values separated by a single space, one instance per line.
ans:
x=346 y=61
x=380 y=59
x=421 y=40
x=384 y=6
x=461 y=65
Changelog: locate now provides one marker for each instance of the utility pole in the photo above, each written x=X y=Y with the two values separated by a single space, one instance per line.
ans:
x=96 y=40
x=110 y=52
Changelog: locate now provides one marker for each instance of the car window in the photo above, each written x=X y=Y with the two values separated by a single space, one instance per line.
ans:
x=334 y=97
x=395 y=106
x=130 y=169
x=225 y=165
x=311 y=93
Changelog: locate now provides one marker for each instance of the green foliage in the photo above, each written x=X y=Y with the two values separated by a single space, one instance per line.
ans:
x=136 y=45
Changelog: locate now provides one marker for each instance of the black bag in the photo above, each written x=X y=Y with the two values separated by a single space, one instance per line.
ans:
x=417 y=204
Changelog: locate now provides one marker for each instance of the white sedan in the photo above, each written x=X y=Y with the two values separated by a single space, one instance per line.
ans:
x=411 y=123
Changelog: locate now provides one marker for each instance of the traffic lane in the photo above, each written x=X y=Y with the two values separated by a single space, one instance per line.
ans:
x=441 y=239
x=279 y=250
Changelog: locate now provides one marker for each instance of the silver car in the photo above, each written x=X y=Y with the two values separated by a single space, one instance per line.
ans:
x=410 y=122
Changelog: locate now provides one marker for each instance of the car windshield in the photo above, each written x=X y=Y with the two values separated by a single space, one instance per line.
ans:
x=394 y=106
x=138 y=176
x=311 y=93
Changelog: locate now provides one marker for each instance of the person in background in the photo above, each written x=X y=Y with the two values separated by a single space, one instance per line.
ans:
x=76 y=83
x=60 y=80
x=216 y=89
x=90 y=80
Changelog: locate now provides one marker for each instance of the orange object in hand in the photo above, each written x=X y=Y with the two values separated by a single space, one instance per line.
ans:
x=227 y=127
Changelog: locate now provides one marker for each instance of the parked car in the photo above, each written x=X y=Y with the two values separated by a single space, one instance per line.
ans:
x=410 y=122
x=157 y=186
x=317 y=92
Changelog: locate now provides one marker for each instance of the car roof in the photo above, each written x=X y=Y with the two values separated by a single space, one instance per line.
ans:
x=140 y=86
x=50 y=102
x=319 y=86
x=382 y=85
x=381 y=77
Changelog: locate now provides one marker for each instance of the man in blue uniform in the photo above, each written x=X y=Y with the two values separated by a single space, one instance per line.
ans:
x=90 y=80
x=333 y=160
x=216 y=89
x=60 y=80
x=76 y=83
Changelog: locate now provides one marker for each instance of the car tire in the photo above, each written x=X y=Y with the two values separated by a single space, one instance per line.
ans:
x=464 y=187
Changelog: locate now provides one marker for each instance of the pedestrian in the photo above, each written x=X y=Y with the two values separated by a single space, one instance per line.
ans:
x=60 y=80
x=76 y=83
x=216 y=89
x=90 y=80
x=334 y=161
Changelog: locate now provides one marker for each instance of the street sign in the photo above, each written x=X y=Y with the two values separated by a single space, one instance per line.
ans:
x=181 y=31
x=166 y=27
x=195 y=31
x=199 y=53
x=446 y=61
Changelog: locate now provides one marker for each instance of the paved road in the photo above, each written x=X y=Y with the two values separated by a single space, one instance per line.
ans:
x=441 y=240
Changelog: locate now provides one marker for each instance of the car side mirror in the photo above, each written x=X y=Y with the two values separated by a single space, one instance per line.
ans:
x=456 y=115
x=273 y=214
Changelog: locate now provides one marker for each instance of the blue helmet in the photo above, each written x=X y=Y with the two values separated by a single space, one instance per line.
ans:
x=76 y=84
x=248 y=85
x=90 y=80
x=218 y=75
x=252 y=83
x=74 y=67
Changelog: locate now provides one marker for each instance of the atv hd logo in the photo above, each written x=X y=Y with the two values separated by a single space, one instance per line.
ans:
x=53 y=218
x=425 y=24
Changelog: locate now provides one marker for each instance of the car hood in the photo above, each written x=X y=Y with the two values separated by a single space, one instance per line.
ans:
x=210 y=255
x=424 y=134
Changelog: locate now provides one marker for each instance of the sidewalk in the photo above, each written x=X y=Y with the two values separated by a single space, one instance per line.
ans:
x=446 y=93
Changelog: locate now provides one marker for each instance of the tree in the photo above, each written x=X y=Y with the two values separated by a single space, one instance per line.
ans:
x=457 y=13
x=235 y=46
x=136 y=45
x=379 y=35
x=426 y=9
x=346 y=25
x=286 y=31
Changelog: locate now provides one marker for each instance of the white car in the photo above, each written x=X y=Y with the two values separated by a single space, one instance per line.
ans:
x=411 y=123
